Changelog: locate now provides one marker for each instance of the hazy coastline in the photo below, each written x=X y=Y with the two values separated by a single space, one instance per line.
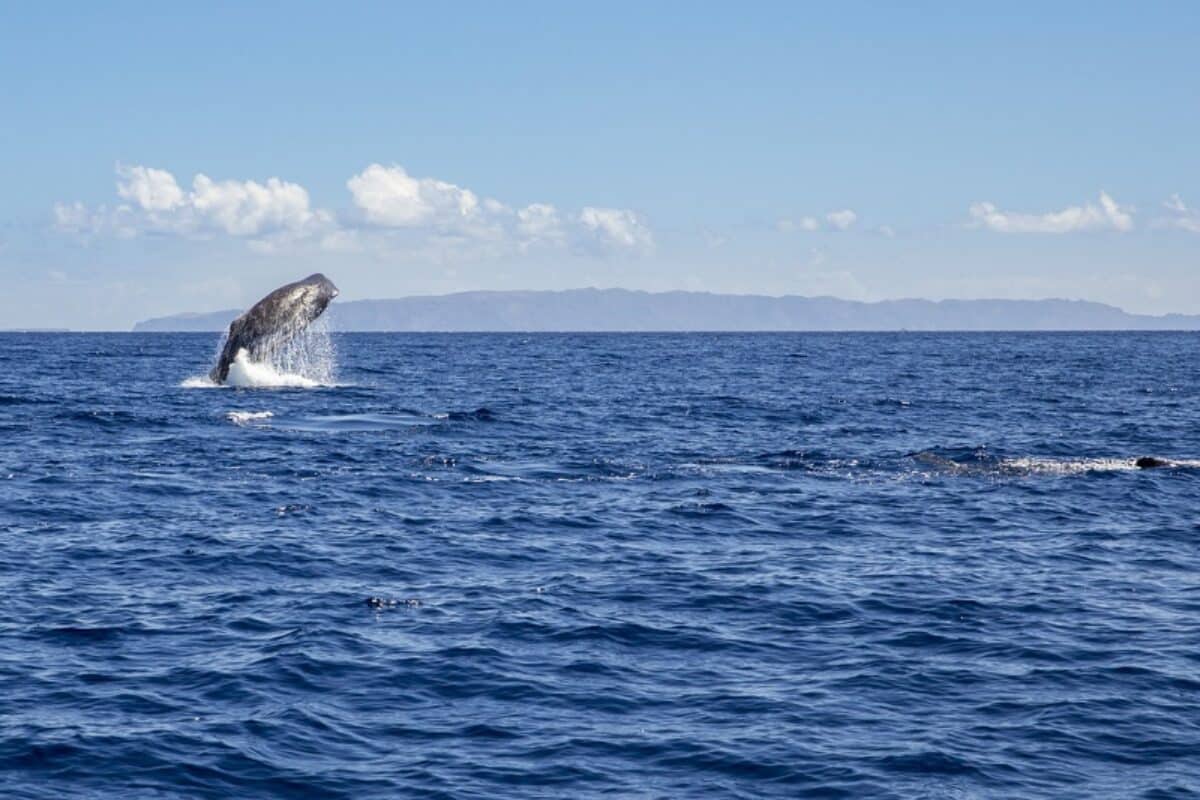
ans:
x=586 y=310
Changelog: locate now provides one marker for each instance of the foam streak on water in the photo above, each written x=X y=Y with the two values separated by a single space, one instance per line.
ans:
x=647 y=566
x=246 y=417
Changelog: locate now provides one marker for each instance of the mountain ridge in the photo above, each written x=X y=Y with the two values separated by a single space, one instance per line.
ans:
x=613 y=310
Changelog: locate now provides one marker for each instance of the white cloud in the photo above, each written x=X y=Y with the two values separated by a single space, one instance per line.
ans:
x=397 y=212
x=389 y=196
x=152 y=189
x=246 y=208
x=886 y=231
x=539 y=222
x=274 y=211
x=541 y=225
x=616 y=227
x=76 y=218
x=1106 y=216
x=1184 y=218
x=841 y=220
x=834 y=220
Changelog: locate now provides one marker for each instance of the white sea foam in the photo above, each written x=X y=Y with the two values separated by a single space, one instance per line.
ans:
x=246 y=417
x=1029 y=466
x=1074 y=466
x=1068 y=466
x=245 y=373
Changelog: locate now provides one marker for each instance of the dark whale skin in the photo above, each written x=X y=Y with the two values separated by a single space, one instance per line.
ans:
x=1150 y=462
x=274 y=321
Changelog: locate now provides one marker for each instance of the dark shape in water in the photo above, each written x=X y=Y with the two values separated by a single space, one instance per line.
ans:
x=1150 y=462
x=274 y=321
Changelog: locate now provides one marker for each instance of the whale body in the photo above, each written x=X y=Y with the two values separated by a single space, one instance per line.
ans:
x=1150 y=462
x=274 y=321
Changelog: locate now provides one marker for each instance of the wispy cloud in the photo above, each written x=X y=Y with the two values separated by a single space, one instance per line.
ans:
x=1108 y=215
x=839 y=220
x=1181 y=217
x=713 y=239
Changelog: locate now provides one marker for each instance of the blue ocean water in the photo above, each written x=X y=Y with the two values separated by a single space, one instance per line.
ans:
x=703 y=565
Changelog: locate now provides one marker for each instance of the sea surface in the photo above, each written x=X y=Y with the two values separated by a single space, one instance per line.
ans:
x=635 y=566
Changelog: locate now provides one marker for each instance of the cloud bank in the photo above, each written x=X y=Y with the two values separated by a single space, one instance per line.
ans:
x=390 y=198
x=156 y=204
x=391 y=208
x=393 y=211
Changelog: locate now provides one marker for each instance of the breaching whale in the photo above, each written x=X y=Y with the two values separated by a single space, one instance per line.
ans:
x=274 y=321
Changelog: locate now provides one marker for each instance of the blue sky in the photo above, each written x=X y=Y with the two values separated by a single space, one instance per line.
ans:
x=855 y=149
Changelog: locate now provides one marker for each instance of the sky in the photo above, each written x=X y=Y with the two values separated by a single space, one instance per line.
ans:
x=168 y=157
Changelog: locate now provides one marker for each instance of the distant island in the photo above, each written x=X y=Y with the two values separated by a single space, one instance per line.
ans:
x=626 y=310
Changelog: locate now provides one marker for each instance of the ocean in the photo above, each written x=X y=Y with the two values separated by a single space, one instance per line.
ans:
x=583 y=565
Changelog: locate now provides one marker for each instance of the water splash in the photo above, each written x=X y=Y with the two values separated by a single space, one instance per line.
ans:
x=306 y=360
x=309 y=354
x=244 y=373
